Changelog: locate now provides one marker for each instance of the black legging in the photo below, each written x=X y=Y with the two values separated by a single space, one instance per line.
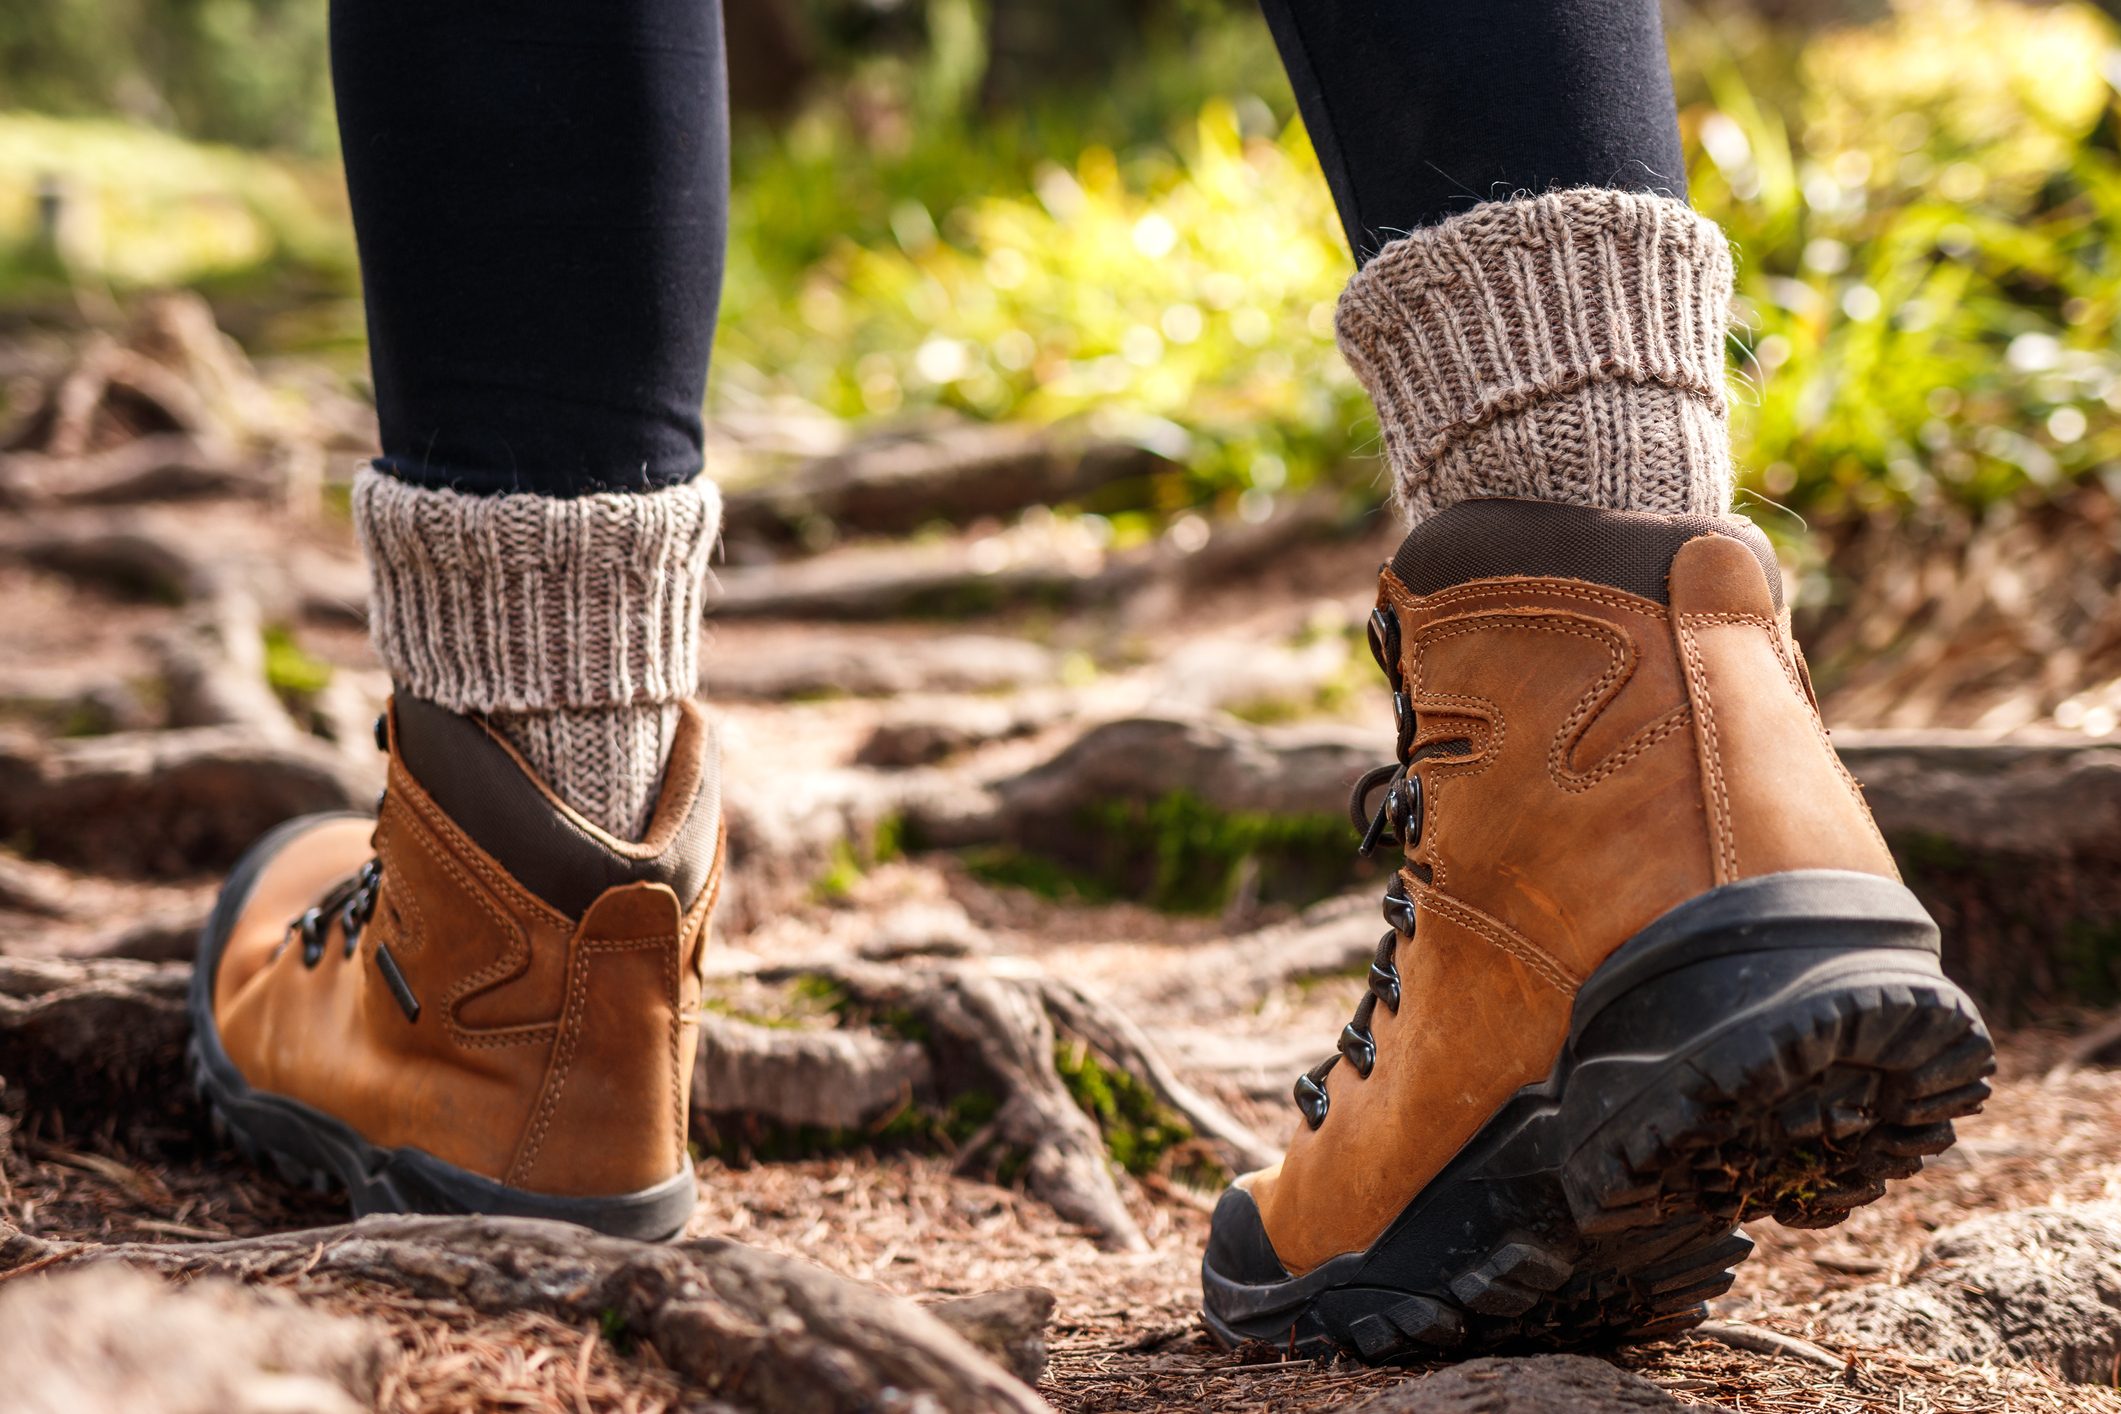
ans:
x=540 y=191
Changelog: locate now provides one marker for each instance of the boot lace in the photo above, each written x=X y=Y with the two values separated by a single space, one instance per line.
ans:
x=1397 y=822
x=352 y=900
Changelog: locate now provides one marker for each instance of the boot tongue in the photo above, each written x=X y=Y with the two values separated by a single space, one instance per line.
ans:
x=486 y=792
x=1502 y=538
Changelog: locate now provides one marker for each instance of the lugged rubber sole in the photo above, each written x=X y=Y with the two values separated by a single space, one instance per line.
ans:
x=1781 y=1046
x=309 y=1148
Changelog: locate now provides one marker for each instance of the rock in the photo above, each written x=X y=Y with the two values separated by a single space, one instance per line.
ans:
x=2039 y=1284
x=1051 y=563
x=1538 y=1384
x=922 y=930
x=2053 y=793
x=104 y=1338
x=1304 y=770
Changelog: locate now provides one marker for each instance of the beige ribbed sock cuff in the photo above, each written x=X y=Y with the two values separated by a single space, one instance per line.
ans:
x=573 y=624
x=1565 y=347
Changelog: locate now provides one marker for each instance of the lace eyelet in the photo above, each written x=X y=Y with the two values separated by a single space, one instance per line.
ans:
x=1311 y=1097
x=1359 y=1047
x=1384 y=643
x=1408 y=724
x=311 y=927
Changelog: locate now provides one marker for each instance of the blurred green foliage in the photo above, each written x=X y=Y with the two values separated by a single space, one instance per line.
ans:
x=1927 y=209
x=1927 y=213
x=251 y=72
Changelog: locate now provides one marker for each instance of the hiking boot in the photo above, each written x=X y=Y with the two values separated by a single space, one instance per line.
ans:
x=477 y=1001
x=1649 y=972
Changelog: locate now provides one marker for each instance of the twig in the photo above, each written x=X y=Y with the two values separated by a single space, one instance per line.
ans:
x=1741 y=1335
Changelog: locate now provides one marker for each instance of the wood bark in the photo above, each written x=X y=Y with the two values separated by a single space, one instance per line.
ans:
x=768 y=1332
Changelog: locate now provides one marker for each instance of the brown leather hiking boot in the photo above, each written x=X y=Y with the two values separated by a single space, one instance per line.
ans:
x=476 y=1002
x=1650 y=971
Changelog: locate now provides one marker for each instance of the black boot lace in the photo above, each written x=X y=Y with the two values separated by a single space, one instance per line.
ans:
x=1396 y=822
x=352 y=900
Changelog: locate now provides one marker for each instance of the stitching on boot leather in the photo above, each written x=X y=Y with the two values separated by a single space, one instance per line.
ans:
x=1602 y=693
x=461 y=847
x=1510 y=588
x=1726 y=845
x=1804 y=700
x=1774 y=631
x=515 y=957
x=408 y=906
x=1637 y=745
x=570 y=1033
x=1548 y=968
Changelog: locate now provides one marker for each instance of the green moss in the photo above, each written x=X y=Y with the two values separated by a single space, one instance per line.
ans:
x=821 y=992
x=1195 y=851
x=840 y=876
x=1142 y=1134
x=1269 y=711
x=2089 y=958
x=721 y=1006
x=853 y=859
x=1179 y=854
x=1012 y=868
x=296 y=675
x=915 y=1126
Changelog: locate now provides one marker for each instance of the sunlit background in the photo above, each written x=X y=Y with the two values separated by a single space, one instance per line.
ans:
x=1023 y=211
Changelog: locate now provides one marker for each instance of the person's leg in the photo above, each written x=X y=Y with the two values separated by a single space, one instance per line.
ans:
x=1422 y=109
x=539 y=188
x=1538 y=313
x=482 y=1000
x=1622 y=1003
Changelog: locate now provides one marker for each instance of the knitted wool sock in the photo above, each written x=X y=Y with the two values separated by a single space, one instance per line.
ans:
x=1566 y=347
x=572 y=625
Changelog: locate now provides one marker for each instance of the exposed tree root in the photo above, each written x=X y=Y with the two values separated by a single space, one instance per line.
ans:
x=94 y=1042
x=762 y=1330
x=167 y=802
x=993 y=1028
x=951 y=580
x=895 y=483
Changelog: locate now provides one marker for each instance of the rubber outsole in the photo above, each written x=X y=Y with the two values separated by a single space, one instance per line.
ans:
x=311 y=1149
x=1782 y=1047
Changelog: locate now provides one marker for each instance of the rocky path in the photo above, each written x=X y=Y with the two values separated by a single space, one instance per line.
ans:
x=1041 y=898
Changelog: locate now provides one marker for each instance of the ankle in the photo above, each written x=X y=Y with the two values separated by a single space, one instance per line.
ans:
x=573 y=624
x=1567 y=347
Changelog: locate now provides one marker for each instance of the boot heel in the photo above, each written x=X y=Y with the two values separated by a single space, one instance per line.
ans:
x=1837 y=1057
x=1780 y=1047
